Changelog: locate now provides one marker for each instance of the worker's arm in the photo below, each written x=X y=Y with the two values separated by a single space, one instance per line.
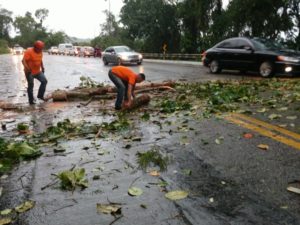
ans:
x=129 y=94
x=132 y=91
x=42 y=66
x=26 y=67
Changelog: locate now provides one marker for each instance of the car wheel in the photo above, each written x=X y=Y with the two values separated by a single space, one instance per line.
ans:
x=105 y=62
x=139 y=63
x=214 y=67
x=266 y=69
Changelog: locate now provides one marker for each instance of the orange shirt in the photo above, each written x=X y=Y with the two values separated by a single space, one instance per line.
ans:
x=34 y=60
x=125 y=73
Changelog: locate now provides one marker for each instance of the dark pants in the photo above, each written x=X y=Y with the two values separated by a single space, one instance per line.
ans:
x=121 y=86
x=30 y=81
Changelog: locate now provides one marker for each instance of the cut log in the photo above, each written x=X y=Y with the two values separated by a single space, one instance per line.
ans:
x=139 y=101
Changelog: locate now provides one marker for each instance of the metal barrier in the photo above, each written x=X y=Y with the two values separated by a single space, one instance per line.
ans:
x=174 y=56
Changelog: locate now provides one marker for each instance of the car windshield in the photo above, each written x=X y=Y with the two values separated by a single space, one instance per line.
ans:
x=261 y=43
x=122 y=49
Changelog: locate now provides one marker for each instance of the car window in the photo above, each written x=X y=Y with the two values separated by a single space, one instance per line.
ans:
x=123 y=49
x=225 y=44
x=240 y=44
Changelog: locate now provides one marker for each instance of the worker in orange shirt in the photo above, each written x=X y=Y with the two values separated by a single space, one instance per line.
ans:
x=34 y=69
x=124 y=80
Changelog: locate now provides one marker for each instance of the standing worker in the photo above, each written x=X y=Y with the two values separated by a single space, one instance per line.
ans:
x=124 y=80
x=34 y=68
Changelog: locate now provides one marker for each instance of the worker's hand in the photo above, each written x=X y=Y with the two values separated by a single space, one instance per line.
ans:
x=43 y=70
x=27 y=70
x=127 y=104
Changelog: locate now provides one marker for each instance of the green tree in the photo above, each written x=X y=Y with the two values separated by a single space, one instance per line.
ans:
x=262 y=18
x=5 y=23
x=197 y=17
x=152 y=24
x=294 y=12
x=55 y=38
x=29 y=29
x=41 y=14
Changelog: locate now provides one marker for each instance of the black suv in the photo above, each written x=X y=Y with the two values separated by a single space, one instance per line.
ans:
x=252 y=54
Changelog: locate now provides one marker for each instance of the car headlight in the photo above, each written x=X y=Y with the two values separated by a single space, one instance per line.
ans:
x=124 y=57
x=288 y=59
x=140 y=56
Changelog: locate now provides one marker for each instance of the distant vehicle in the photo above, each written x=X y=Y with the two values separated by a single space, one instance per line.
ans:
x=97 y=52
x=53 y=50
x=121 y=55
x=72 y=51
x=86 y=51
x=64 y=48
x=76 y=50
x=252 y=54
x=17 y=50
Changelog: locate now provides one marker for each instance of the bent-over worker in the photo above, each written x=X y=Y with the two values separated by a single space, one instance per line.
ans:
x=124 y=79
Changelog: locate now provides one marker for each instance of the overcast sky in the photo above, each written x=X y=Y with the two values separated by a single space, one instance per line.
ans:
x=79 y=19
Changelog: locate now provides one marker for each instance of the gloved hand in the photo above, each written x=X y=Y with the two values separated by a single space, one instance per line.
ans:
x=43 y=70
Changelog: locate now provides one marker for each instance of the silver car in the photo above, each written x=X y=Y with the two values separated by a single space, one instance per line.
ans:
x=121 y=55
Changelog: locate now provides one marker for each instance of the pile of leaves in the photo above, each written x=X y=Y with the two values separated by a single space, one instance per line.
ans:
x=170 y=106
x=13 y=152
x=65 y=128
x=70 y=179
x=154 y=157
x=119 y=124
x=87 y=82
x=228 y=96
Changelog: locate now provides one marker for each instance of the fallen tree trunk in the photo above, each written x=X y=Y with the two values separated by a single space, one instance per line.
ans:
x=87 y=93
x=139 y=101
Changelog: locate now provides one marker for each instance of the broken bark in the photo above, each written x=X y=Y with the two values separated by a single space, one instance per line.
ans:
x=139 y=101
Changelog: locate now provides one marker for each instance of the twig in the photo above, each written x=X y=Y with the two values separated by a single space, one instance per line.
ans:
x=114 y=203
x=88 y=102
x=49 y=185
x=98 y=133
x=67 y=206
x=88 y=162
x=134 y=181
x=116 y=219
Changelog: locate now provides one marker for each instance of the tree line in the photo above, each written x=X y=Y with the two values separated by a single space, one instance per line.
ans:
x=184 y=26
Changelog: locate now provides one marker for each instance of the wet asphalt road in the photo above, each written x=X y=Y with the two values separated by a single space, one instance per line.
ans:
x=230 y=183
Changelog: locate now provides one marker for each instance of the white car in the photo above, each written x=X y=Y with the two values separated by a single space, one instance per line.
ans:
x=53 y=50
x=18 y=50
x=121 y=55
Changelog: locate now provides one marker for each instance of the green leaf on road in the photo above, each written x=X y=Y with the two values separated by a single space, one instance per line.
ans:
x=5 y=221
x=25 y=206
x=135 y=191
x=5 y=212
x=108 y=208
x=71 y=179
x=176 y=195
x=274 y=116
x=291 y=117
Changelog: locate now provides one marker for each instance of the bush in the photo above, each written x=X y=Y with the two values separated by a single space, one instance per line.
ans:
x=3 y=47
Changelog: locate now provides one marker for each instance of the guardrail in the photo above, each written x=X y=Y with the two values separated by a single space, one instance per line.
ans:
x=174 y=56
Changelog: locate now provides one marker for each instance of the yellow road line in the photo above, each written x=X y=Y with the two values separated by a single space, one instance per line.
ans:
x=267 y=125
x=265 y=132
